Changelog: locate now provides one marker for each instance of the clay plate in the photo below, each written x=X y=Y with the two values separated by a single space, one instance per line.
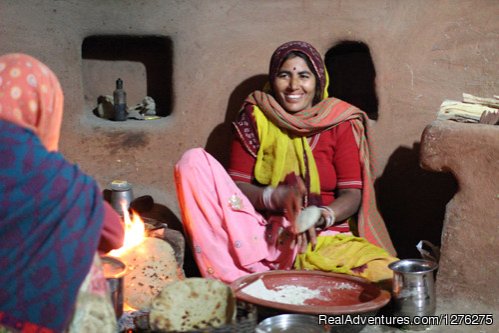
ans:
x=339 y=293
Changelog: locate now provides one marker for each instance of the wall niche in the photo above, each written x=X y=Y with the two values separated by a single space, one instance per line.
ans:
x=144 y=63
x=352 y=76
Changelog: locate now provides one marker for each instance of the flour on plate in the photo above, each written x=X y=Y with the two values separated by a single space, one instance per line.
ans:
x=344 y=285
x=287 y=294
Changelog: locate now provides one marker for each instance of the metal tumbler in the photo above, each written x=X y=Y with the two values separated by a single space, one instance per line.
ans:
x=114 y=272
x=413 y=292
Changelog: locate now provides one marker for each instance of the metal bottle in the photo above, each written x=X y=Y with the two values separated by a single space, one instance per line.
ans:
x=119 y=96
x=121 y=195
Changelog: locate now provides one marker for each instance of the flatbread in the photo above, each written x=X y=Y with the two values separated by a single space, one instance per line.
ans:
x=307 y=218
x=192 y=304
x=151 y=266
x=94 y=310
x=94 y=313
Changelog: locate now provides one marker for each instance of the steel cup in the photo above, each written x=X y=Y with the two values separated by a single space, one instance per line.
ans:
x=114 y=272
x=413 y=290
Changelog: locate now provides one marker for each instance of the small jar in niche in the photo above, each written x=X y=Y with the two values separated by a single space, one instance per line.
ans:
x=119 y=97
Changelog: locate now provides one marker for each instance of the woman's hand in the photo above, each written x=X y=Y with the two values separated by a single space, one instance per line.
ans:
x=289 y=198
x=285 y=198
x=301 y=240
x=325 y=219
x=342 y=208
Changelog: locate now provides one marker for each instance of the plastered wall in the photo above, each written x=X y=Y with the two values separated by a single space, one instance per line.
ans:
x=424 y=51
x=468 y=266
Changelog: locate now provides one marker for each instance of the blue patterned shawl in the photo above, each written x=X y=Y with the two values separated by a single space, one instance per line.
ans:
x=51 y=215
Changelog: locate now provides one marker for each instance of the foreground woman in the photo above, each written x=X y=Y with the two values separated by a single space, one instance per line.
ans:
x=294 y=148
x=53 y=218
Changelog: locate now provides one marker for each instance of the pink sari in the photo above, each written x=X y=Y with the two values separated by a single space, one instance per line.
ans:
x=229 y=238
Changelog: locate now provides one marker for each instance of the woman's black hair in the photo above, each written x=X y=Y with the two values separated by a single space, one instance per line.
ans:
x=294 y=54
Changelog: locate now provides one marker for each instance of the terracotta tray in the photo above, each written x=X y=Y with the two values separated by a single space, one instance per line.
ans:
x=336 y=293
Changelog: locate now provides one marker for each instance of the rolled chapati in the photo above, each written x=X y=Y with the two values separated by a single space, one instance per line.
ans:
x=192 y=304
x=307 y=218
x=151 y=266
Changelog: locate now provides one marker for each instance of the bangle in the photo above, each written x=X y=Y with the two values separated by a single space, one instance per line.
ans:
x=330 y=219
x=266 y=198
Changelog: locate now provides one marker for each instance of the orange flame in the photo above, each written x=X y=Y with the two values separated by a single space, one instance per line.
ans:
x=134 y=233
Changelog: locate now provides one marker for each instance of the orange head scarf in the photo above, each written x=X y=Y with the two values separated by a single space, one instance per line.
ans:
x=31 y=97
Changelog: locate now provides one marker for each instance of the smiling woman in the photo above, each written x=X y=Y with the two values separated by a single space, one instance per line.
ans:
x=295 y=85
x=293 y=148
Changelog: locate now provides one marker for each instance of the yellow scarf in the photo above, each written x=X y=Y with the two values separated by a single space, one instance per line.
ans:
x=342 y=253
x=281 y=154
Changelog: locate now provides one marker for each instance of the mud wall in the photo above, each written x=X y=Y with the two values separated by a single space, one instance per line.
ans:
x=201 y=58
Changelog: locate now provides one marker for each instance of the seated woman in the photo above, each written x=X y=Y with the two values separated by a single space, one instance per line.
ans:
x=53 y=218
x=294 y=148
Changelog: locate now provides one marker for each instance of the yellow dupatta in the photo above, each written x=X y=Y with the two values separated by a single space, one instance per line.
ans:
x=343 y=254
x=281 y=154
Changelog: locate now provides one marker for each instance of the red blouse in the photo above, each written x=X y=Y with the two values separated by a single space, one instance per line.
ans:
x=336 y=155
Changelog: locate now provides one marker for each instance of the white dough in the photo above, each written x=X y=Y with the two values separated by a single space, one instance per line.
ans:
x=308 y=218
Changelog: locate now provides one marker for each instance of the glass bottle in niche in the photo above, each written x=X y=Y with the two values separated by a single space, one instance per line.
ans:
x=119 y=96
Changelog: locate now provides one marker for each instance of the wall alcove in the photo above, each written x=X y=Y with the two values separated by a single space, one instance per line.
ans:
x=143 y=62
x=352 y=76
